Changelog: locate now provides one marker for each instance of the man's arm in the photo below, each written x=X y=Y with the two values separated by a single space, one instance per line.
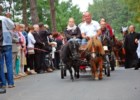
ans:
x=98 y=32
x=9 y=24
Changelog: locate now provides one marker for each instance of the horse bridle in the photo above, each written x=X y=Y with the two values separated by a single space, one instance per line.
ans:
x=74 y=46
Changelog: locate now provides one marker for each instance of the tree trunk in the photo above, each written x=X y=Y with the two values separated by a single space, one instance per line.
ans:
x=52 y=12
x=34 y=14
x=24 y=13
x=10 y=5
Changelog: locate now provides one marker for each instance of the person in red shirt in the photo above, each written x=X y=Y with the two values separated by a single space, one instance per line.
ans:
x=107 y=26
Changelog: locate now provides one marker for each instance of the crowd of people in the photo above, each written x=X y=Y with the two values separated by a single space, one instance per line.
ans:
x=35 y=50
x=26 y=50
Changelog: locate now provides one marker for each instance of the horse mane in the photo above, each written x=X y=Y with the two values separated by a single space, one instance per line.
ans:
x=96 y=44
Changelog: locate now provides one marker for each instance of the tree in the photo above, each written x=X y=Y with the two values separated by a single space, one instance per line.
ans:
x=115 y=12
x=24 y=12
x=64 y=11
x=134 y=6
x=53 y=18
x=34 y=13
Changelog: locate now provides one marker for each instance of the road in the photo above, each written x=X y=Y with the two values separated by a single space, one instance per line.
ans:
x=124 y=84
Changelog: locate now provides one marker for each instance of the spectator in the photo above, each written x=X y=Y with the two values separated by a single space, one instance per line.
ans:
x=22 y=50
x=59 y=40
x=15 y=51
x=44 y=36
x=6 y=46
x=130 y=46
x=38 y=45
x=2 y=90
x=22 y=28
x=31 y=52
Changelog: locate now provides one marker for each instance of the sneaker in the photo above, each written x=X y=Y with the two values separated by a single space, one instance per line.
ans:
x=2 y=90
x=22 y=74
x=49 y=70
x=11 y=86
x=33 y=72
x=3 y=87
x=17 y=76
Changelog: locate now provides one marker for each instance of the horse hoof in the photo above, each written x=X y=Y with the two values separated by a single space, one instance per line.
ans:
x=72 y=79
x=96 y=78
x=100 y=78
x=78 y=76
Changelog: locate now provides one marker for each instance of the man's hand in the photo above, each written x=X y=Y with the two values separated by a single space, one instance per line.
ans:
x=136 y=41
x=43 y=44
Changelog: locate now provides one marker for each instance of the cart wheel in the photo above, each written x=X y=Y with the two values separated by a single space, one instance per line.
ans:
x=108 y=71
x=105 y=70
x=62 y=69
x=112 y=63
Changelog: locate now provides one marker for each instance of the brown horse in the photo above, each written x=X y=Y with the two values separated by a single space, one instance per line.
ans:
x=95 y=52
x=118 y=50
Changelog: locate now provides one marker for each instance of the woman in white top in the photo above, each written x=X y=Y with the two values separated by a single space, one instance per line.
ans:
x=30 y=46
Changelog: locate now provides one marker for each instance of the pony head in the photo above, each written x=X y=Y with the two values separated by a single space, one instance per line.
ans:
x=74 y=49
x=95 y=45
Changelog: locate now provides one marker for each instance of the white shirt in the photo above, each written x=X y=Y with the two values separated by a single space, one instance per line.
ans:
x=90 y=29
x=31 y=40
x=80 y=25
x=138 y=49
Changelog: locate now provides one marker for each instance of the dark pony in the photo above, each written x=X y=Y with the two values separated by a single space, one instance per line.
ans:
x=70 y=55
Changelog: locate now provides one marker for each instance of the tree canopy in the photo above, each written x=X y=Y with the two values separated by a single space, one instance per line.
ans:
x=117 y=12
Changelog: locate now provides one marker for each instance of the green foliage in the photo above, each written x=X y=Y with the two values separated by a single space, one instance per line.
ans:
x=64 y=11
x=135 y=7
x=116 y=12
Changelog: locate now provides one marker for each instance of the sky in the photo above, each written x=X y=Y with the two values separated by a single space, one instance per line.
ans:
x=82 y=4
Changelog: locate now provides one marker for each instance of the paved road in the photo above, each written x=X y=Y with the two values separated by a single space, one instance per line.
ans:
x=122 y=85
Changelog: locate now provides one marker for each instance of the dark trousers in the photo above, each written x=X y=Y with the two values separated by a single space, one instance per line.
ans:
x=37 y=62
x=131 y=61
x=43 y=67
x=26 y=66
x=31 y=61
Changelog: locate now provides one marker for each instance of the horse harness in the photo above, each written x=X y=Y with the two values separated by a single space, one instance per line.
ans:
x=92 y=55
